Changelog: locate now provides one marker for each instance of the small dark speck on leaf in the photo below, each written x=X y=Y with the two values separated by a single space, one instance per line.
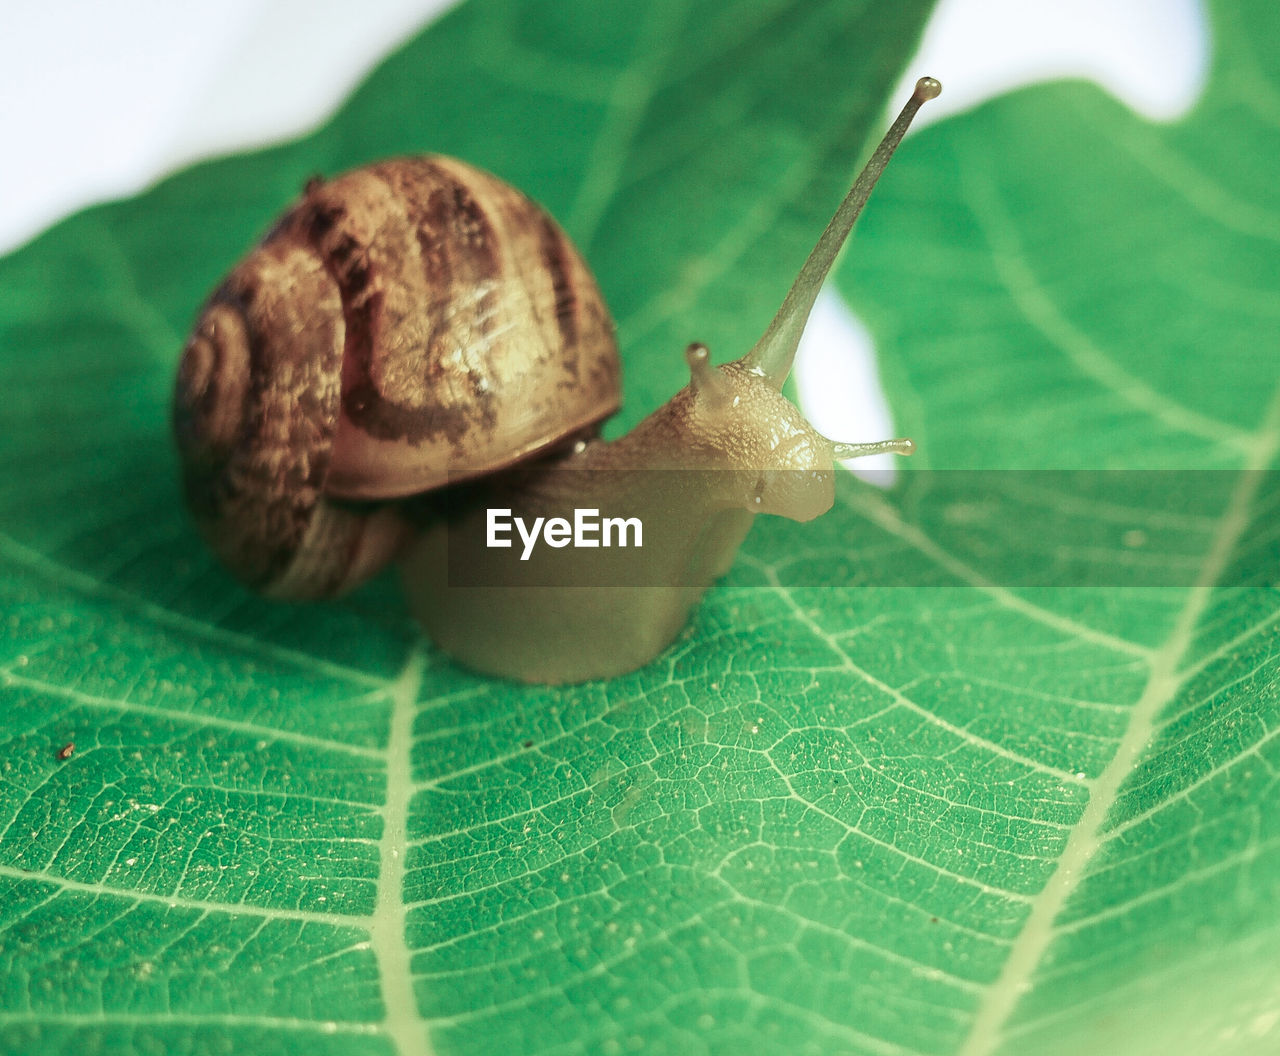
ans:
x=933 y=920
x=66 y=750
x=528 y=744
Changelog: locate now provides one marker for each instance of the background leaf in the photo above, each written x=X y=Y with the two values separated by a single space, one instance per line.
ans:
x=1102 y=295
x=887 y=796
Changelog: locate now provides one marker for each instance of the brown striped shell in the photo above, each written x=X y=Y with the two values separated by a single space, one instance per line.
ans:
x=406 y=324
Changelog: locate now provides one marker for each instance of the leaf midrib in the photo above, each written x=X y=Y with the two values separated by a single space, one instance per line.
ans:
x=1164 y=680
x=403 y=1022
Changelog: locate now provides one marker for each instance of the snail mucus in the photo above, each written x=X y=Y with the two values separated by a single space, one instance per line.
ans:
x=416 y=330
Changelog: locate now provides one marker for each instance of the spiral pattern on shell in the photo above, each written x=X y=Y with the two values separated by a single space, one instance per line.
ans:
x=406 y=324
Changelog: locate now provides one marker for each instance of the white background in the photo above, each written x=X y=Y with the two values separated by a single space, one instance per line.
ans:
x=100 y=99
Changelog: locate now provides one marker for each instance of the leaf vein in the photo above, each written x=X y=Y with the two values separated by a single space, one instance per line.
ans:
x=175 y=901
x=36 y=562
x=1038 y=309
x=389 y=942
x=1162 y=685
x=198 y=719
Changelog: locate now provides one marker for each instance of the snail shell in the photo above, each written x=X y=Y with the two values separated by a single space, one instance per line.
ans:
x=409 y=323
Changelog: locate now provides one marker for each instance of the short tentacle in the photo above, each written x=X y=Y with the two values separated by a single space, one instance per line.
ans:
x=706 y=381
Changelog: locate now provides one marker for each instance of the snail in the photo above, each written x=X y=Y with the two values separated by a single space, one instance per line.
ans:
x=418 y=323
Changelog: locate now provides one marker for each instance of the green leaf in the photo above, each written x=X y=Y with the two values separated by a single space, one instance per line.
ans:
x=248 y=848
x=956 y=811
x=1068 y=287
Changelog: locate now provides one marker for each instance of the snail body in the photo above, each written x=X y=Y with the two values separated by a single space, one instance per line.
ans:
x=692 y=475
x=417 y=323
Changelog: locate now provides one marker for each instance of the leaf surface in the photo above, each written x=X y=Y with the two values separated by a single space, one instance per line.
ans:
x=898 y=790
x=235 y=853
x=1101 y=298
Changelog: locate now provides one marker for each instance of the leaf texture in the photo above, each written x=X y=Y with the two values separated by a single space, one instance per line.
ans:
x=891 y=793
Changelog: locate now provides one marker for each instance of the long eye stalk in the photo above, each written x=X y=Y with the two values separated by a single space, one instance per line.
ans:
x=774 y=352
